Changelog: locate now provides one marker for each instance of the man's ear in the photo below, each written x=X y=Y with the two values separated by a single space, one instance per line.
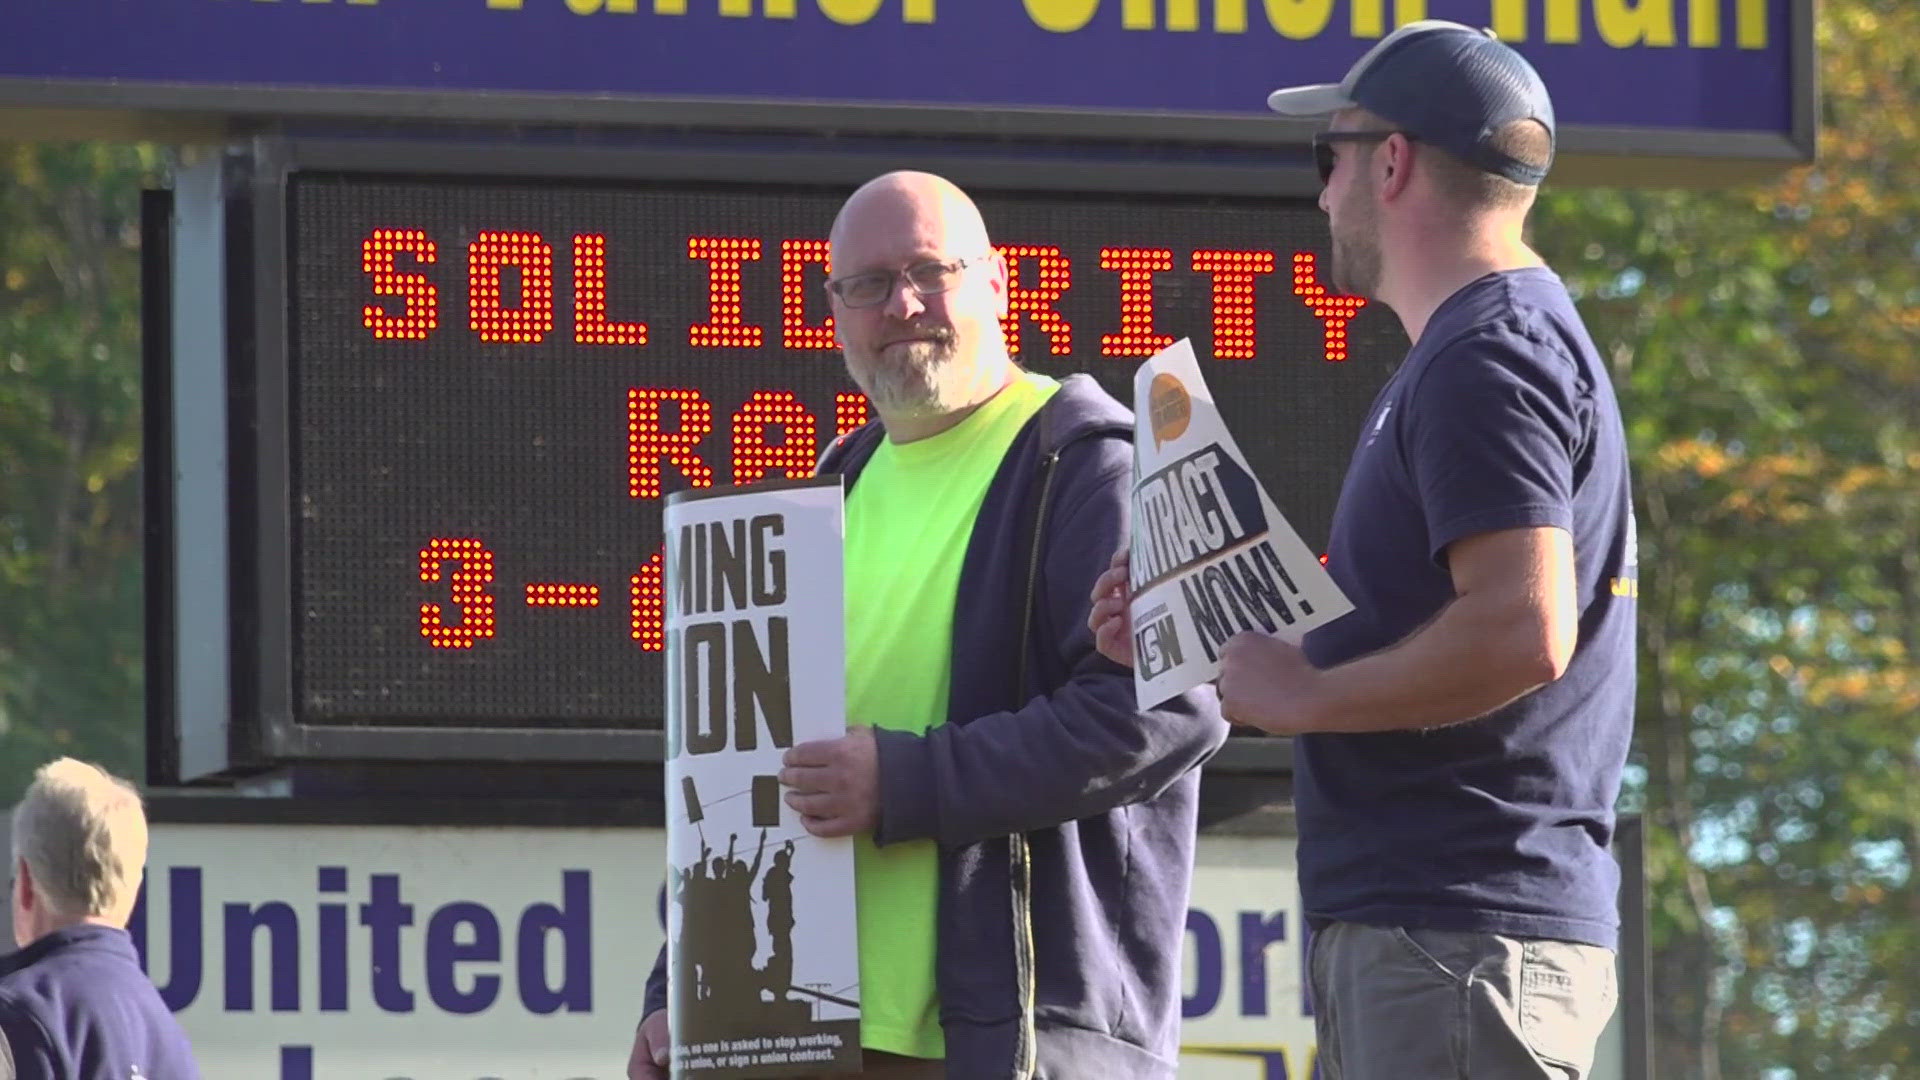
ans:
x=999 y=281
x=1397 y=166
x=23 y=884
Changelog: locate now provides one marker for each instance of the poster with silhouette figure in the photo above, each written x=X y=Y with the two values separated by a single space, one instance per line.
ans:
x=1211 y=556
x=762 y=950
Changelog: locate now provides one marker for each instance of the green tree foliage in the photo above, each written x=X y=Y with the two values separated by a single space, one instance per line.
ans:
x=71 y=622
x=1767 y=343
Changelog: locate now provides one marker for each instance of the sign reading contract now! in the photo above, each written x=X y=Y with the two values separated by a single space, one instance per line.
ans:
x=1211 y=555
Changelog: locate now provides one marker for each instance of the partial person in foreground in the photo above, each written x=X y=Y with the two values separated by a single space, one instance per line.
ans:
x=74 y=1002
x=1024 y=832
x=1459 y=736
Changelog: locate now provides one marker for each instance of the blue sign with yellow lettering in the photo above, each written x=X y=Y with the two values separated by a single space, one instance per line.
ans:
x=1667 y=67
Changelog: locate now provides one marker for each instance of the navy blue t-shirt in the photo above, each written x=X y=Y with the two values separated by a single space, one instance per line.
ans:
x=1501 y=417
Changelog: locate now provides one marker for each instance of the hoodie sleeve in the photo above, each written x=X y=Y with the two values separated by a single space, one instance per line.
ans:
x=656 y=995
x=1082 y=749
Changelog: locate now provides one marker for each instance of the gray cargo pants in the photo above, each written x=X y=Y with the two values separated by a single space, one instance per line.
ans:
x=1397 y=1004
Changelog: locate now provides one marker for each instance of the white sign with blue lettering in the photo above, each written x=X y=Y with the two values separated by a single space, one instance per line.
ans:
x=324 y=952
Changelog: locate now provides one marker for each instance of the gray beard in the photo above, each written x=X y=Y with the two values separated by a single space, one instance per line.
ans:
x=922 y=383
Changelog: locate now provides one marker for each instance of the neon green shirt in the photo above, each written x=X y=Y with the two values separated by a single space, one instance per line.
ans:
x=908 y=522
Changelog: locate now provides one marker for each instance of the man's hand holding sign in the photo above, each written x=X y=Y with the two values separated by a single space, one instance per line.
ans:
x=1257 y=671
x=1267 y=682
x=834 y=784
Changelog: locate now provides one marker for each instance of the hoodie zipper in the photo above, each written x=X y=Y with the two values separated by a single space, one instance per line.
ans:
x=1020 y=855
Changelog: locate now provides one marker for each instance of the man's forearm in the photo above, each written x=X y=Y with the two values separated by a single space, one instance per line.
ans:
x=1474 y=657
x=1080 y=751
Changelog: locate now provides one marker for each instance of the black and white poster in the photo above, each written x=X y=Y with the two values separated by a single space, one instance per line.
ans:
x=762 y=942
x=1211 y=556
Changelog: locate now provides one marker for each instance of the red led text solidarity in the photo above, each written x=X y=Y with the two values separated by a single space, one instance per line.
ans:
x=1039 y=276
x=1333 y=310
x=1233 y=273
x=724 y=328
x=420 y=300
x=1136 y=267
x=1036 y=278
x=795 y=331
x=590 y=324
x=531 y=320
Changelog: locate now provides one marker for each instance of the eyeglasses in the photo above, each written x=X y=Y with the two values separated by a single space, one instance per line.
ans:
x=928 y=278
x=1323 y=157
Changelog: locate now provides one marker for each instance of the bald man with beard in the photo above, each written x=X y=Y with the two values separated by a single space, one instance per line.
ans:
x=1023 y=832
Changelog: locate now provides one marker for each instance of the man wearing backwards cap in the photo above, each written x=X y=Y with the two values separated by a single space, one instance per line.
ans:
x=1461 y=733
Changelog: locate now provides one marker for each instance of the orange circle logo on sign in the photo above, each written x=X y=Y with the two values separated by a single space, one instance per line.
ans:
x=1169 y=409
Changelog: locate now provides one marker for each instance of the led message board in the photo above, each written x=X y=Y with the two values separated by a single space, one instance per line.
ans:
x=492 y=387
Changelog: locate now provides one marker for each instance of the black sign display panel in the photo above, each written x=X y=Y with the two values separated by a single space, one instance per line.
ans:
x=495 y=384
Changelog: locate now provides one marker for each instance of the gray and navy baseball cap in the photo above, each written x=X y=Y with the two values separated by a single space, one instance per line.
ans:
x=1443 y=83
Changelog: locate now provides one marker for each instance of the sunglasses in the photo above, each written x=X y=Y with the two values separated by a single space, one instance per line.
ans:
x=1323 y=143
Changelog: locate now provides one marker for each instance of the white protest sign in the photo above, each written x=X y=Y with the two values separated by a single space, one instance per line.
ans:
x=1211 y=555
x=763 y=953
